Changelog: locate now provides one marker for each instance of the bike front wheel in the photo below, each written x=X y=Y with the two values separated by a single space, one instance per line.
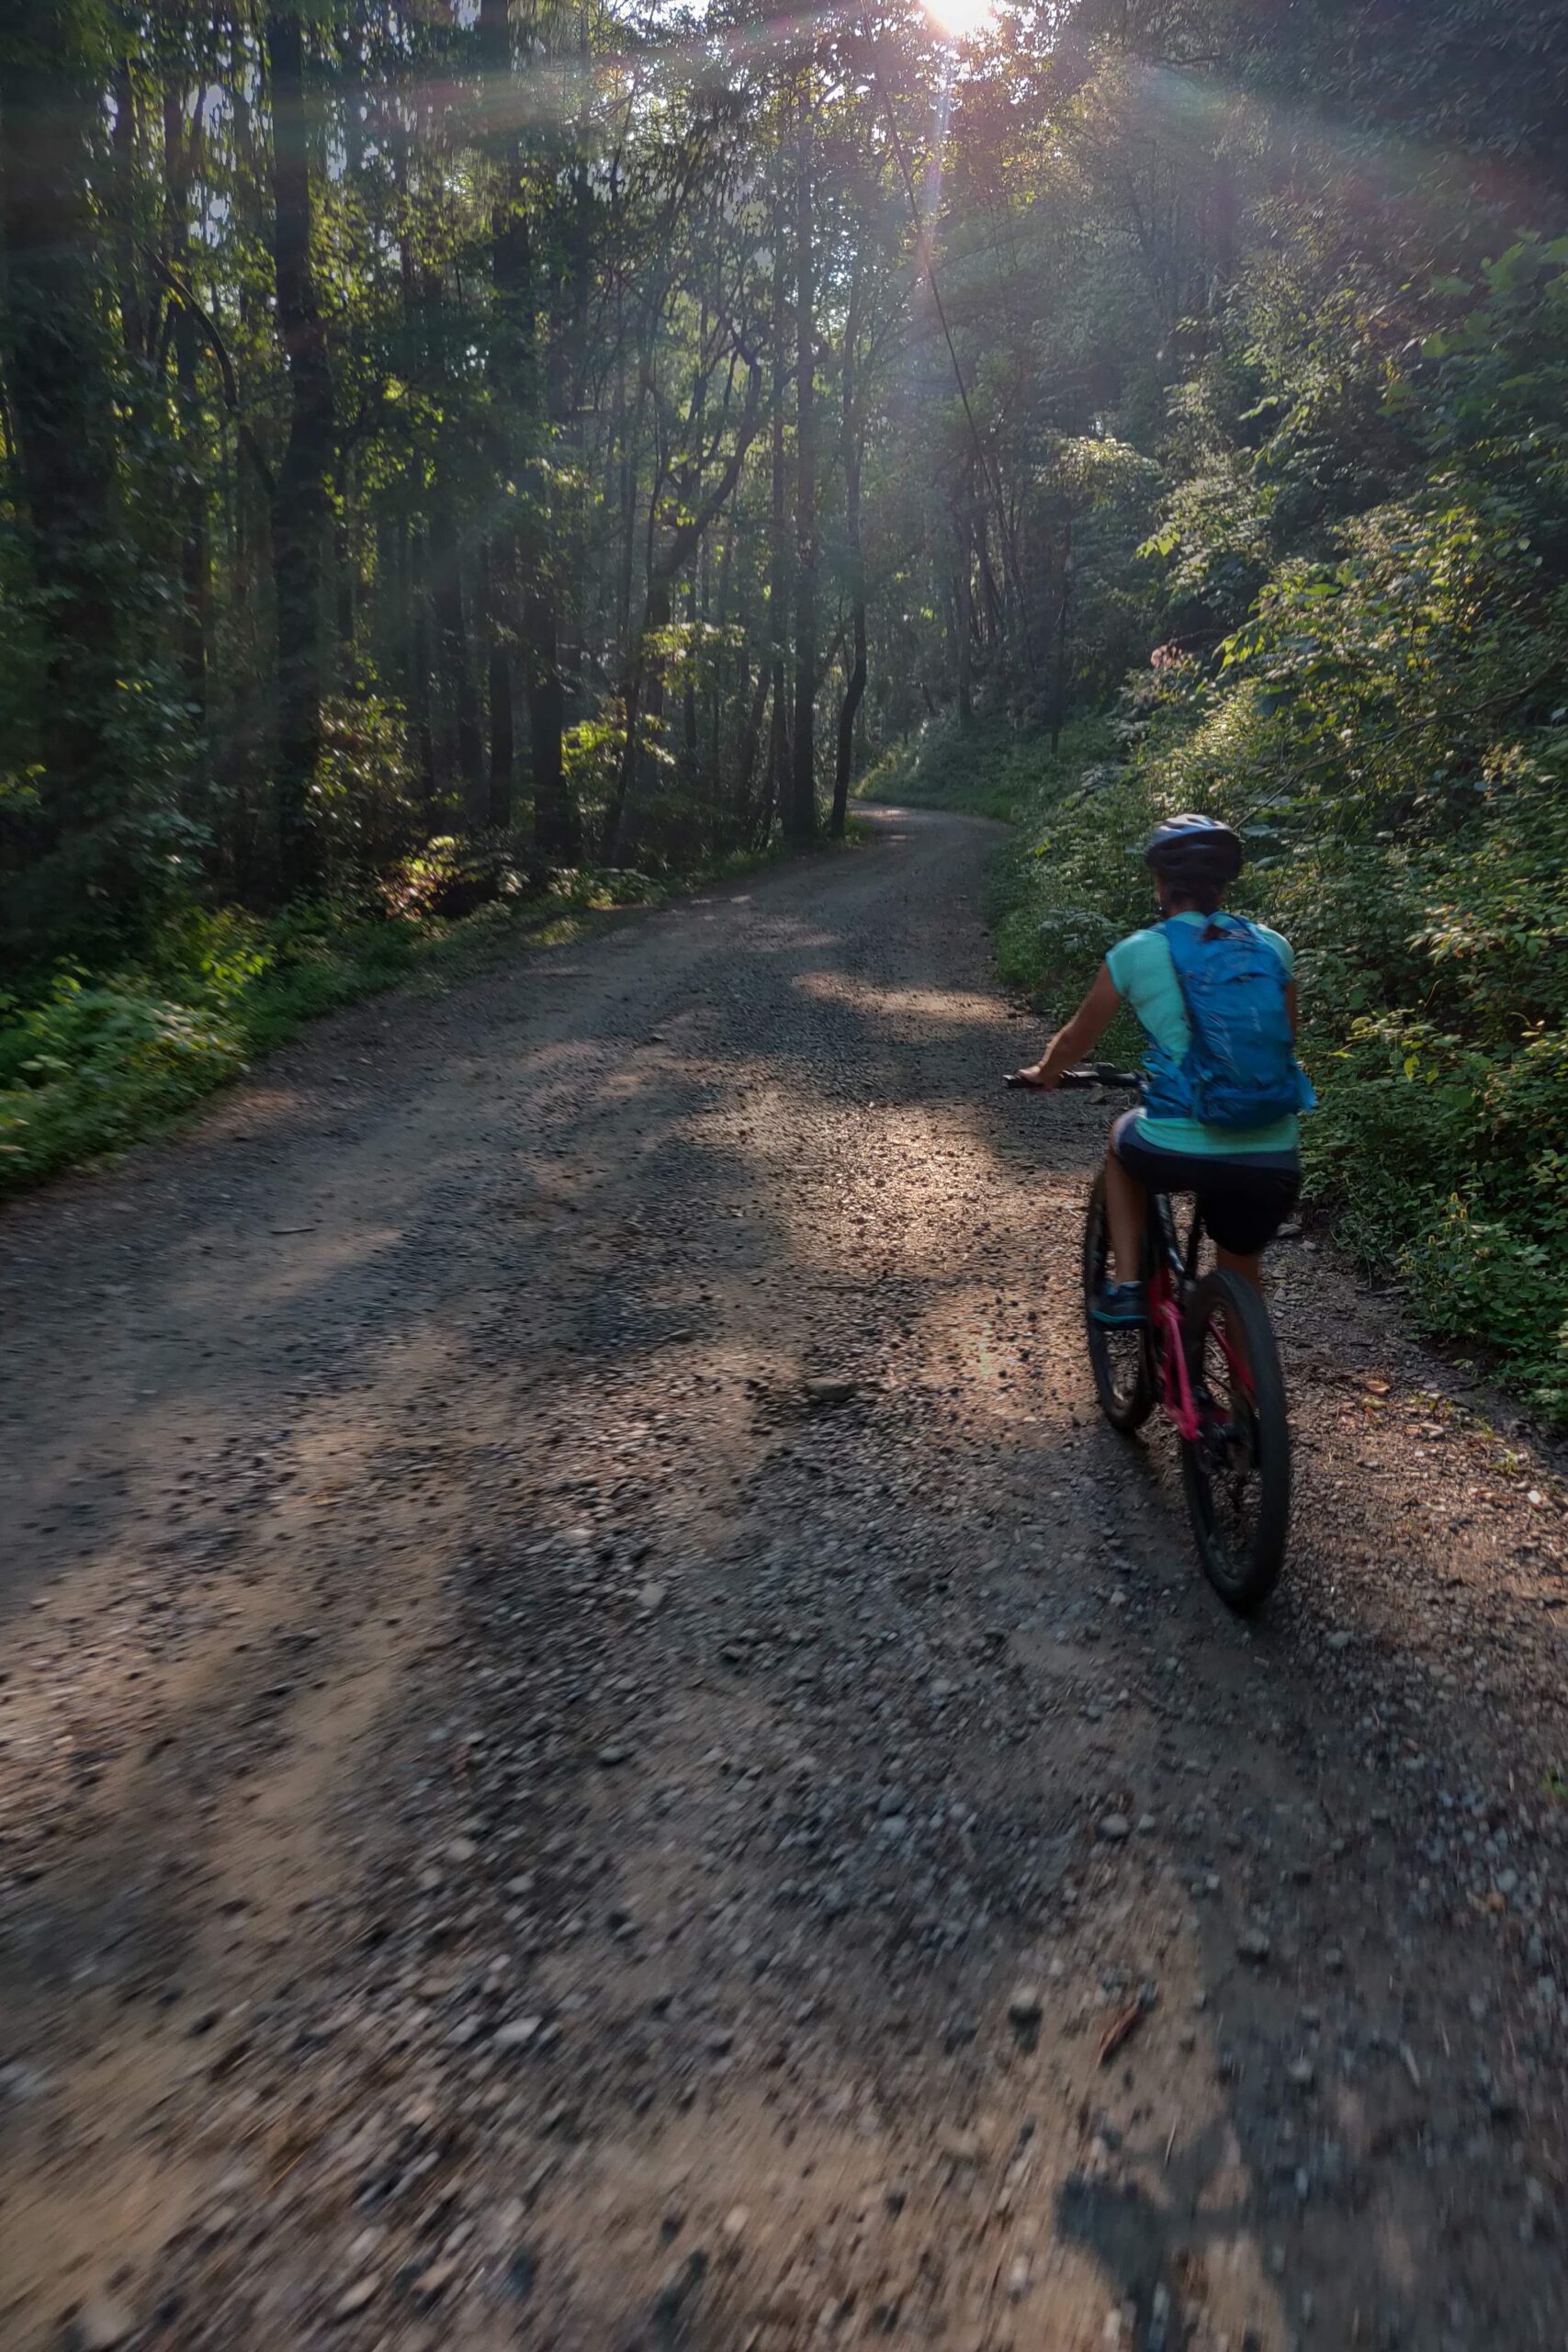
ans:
x=1237 y=1471
x=1120 y=1360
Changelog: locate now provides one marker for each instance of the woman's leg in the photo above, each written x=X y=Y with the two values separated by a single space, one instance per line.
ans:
x=1249 y=1269
x=1126 y=1213
x=1247 y=1205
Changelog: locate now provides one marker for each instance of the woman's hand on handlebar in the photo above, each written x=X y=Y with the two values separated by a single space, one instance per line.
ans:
x=1042 y=1080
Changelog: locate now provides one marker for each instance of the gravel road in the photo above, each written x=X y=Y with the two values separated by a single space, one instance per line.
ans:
x=521 y=1826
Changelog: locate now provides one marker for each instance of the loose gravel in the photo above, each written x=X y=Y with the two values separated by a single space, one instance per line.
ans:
x=598 y=1749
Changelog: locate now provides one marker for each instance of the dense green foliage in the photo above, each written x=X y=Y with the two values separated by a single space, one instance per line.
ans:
x=990 y=769
x=1317 y=274
x=433 y=447
x=1389 y=723
x=102 y=1058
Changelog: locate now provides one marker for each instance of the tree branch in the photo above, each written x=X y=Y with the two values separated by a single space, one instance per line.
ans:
x=684 y=541
x=187 y=294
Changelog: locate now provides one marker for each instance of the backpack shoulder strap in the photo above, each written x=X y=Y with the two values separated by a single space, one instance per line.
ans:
x=1180 y=971
x=1219 y=927
x=1181 y=940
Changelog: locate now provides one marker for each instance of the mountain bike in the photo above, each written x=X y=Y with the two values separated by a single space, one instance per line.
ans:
x=1208 y=1359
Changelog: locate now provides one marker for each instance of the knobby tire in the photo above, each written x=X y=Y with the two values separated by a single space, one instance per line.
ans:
x=1245 y=1448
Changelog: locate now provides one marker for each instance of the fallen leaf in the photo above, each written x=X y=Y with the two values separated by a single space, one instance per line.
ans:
x=1121 y=2028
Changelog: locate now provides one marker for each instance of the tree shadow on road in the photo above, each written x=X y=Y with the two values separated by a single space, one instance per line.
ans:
x=795 y=1726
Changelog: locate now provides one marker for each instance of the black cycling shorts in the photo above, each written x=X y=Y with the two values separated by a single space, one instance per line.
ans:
x=1243 y=1201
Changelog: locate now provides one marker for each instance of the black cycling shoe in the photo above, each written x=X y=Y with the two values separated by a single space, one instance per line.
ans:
x=1120 y=1307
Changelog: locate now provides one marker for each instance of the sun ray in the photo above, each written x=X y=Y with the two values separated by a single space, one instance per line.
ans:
x=960 y=19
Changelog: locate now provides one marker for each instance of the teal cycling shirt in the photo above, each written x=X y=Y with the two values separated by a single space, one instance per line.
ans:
x=1142 y=974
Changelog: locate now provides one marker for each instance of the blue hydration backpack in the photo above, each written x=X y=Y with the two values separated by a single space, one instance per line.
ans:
x=1241 y=1069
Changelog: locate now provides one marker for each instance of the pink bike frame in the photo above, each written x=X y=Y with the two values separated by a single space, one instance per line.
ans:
x=1177 y=1396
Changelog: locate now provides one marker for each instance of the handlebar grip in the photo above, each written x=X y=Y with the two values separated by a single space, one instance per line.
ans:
x=1098 y=1074
x=1102 y=1074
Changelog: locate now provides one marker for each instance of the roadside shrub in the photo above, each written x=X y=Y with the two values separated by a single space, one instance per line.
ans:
x=1472 y=1278
x=1388 y=726
x=990 y=769
x=367 y=811
x=451 y=877
x=86 y=1068
x=1433 y=958
x=90 y=1063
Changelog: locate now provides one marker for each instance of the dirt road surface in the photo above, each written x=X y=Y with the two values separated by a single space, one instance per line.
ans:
x=518 y=1827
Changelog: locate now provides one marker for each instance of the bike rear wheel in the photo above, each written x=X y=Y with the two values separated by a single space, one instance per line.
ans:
x=1120 y=1360
x=1238 y=1472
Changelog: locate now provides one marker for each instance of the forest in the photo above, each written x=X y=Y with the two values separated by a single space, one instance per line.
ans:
x=462 y=459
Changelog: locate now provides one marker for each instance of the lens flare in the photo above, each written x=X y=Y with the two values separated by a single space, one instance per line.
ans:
x=960 y=19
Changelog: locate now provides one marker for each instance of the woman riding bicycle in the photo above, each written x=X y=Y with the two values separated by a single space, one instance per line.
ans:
x=1223 y=1089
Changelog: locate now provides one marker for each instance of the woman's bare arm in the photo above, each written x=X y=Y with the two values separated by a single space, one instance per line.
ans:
x=1077 y=1037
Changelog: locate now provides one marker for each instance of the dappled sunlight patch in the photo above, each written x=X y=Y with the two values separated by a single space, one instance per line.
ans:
x=269 y=1102
x=782 y=933
x=150 y=1626
x=915 y=1007
x=287 y=1262
x=732 y=1749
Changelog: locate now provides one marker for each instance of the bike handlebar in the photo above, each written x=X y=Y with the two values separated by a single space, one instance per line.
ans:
x=1088 y=1075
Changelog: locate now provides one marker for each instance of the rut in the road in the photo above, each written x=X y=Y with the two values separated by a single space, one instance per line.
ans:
x=523 y=1828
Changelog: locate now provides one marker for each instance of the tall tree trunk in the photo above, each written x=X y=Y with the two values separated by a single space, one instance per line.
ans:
x=994 y=601
x=802 y=769
x=346 y=601
x=566 y=385
x=1063 y=627
x=644 y=686
x=689 y=755
x=849 y=711
x=691 y=492
x=854 y=688
x=59 y=379
x=484 y=637
x=718 y=692
x=628 y=421
x=631 y=665
x=499 y=557
x=555 y=821
x=127 y=265
x=299 y=506
x=500 y=588
x=555 y=826
x=1226 y=210
x=746 y=830
x=510 y=358
x=778 y=593
x=521 y=559
x=417 y=655
x=964 y=627
x=654 y=666
x=452 y=643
